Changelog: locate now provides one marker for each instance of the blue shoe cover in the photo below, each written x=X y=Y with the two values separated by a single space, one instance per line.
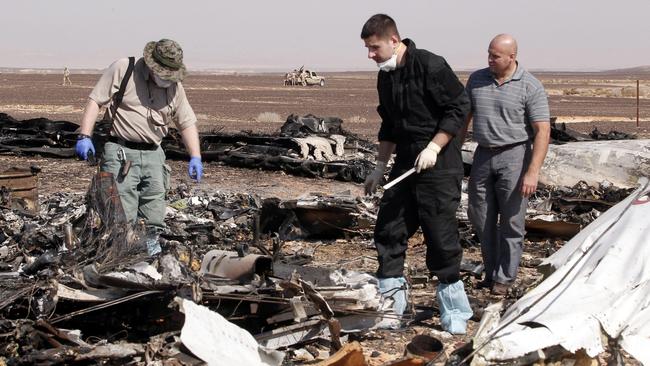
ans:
x=454 y=307
x=395 y=288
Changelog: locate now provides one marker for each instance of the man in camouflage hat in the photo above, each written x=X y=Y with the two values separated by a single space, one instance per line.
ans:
x=153 y=98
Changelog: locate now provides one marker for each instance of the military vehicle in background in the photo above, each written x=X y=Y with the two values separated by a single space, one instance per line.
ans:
x=303 y=77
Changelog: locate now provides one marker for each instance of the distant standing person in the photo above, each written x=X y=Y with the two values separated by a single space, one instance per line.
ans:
x=509 y=111
x=66 y=77
x=154 y=98
x=423 y=107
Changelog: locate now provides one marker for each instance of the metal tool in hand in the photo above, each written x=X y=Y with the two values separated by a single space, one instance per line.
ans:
x=125 y=165
x=399 y=179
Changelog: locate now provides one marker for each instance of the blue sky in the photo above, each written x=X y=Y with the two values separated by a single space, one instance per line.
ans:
x=254 y=35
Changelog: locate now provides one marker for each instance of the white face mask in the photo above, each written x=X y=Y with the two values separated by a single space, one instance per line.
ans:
x=388 y=65
x=162 y=83
x=391 y=63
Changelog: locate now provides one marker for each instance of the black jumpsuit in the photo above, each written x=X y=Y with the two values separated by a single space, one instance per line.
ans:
x=416 y=101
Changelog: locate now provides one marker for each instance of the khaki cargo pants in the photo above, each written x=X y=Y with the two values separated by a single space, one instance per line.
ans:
x=142 y=190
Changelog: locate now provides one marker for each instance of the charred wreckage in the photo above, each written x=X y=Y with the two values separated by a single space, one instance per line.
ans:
x=305 y=146
x=78 y=285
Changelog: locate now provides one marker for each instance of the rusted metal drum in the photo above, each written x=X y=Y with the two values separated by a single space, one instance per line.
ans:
x=20 y=185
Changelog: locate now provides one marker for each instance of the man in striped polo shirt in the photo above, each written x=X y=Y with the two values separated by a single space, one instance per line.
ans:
x=509 y=111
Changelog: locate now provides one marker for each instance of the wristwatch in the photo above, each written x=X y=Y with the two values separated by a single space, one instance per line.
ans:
x=82 y=136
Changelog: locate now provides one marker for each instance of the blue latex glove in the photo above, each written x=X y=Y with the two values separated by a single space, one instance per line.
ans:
x=195 y=168
x=454 y=307
x=83 y=146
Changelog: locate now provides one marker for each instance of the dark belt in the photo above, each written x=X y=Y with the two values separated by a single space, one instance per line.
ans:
x=502 y=147
x=133 y=145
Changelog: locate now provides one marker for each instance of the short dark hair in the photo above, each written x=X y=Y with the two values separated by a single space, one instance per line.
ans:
x=380 y=25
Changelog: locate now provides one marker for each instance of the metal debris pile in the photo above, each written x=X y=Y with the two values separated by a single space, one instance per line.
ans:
x=581 y=203
x=37 y=136
x=560 y=133
x=77 y=283
x=307 y=146
x=563 y=211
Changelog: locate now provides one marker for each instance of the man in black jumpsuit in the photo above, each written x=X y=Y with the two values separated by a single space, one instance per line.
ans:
x=423 y=106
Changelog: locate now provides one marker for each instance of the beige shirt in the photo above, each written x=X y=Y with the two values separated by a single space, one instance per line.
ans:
x=146 y=109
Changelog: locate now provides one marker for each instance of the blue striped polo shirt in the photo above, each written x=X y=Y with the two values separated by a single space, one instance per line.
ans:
x=502 y=114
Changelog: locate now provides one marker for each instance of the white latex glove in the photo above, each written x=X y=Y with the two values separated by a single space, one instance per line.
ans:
x=373 y=179
x=427 y=158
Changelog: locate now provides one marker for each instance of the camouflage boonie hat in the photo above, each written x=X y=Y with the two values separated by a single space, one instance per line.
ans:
x=165 y=59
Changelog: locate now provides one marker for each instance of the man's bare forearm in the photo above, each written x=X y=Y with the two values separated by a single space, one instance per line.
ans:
x=540 y=146
x=190 y=137
x=463 y=132
x=91 y=111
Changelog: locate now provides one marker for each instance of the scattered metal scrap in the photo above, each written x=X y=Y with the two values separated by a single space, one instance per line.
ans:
x=306 y=146
x=56 y=301
x=37 y=136
x=555 y=211
x=563 y=211
x=331 y=215
x=218 y=217
x=560 y=134
x=105 y=287
x=72 y=275
x=611 y=135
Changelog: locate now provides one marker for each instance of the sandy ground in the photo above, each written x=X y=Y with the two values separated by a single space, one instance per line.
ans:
x=235 y=102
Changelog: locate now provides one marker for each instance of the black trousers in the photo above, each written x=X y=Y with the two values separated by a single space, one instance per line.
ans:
x=429 y=201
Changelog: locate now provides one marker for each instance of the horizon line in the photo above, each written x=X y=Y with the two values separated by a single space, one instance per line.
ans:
x=263 y=70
